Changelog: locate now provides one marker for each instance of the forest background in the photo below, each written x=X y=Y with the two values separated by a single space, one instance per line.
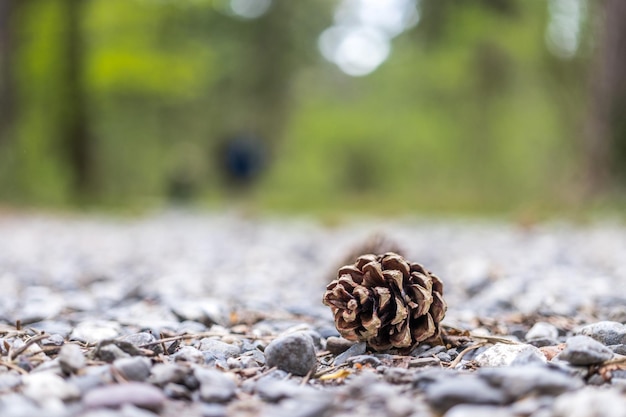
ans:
x=386 y=107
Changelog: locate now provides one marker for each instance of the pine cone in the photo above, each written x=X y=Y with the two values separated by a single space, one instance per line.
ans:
x=386 y=302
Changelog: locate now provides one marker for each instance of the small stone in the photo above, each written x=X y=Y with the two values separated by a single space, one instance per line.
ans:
x=142 y=339
x=116 y=395
x=293 y=353
x=583 y=350
x=215 y=386
x=177 y=391
x=189 y=354
x=110 y=352
x=52 y=341
x=443 y=357
x=354 y=350
x=219 y=349
x=590 y=401
x=429 y=353
x=337 y=345
x=43 y=386
x=467 y=410
x=133 y=369
x=444 y=394
x=619 y=349
x=424 y=362
x=605 y=332
x=71 y=358
x=163 y=373
x=95 y=331
x=277 y=390
x=542 y=330
x=371 y=360
x=502 y=354
x=519 y=381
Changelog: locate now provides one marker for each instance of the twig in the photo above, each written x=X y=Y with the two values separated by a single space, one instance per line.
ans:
x=29 y=342
x=13 y=367
x=457 y=360
x=205 y=334
x=494 y=339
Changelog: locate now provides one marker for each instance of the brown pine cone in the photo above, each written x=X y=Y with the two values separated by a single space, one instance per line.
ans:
x=386 y=301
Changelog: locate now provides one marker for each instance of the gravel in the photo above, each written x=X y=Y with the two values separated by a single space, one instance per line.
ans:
x=219 y=315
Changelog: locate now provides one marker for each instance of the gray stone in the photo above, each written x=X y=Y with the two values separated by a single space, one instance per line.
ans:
x=189 y=354
x=207 y=311
x=354 y=350
x=337 y=345
x=163 y=373
x=96 y=331
x=110 y=353
x=293 y=353
x=45 y=386
x=467 y=410
x=71 y=358
x=277 y=390
x=502 y=354
x=9 y=380
x=444 y=394
x=142 y=339
x=519 y=381
x=605 y=332
x=116 y=395
x=583 y=350
x=619 y=349
x=317 y=405
x=133 y=369
x=371 y=360
x=219 y=349
x=590 y=401
x=542 y=330
x=215 y=386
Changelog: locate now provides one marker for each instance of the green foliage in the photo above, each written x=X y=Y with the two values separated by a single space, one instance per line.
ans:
x=468 y=113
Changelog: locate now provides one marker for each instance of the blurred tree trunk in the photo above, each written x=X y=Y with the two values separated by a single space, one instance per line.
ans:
x=8 y=10
x=78 y=144
x=605 y=135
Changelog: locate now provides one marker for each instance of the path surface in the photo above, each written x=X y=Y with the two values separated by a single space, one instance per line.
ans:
x=85 y=280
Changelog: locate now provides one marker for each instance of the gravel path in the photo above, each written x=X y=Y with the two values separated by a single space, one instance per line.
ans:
x=212 y=315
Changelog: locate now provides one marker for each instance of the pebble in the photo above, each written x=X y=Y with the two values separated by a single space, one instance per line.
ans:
x=95 y=331
x=116 y=395
x=590 y=401
x=605 y=332
x=189 y=354
x=133 y=369
x=463 y=389
x=583 y=350
x=354 y=350
x=542 y=330
x=46 y=386
x=502 y=354
x=466 y=410
x=218 y=348
x=110 y=352
x=71 y=358
x=215 y=386
x=519 y=381
x=338 y=345
x=163 y=373
x=293 y=353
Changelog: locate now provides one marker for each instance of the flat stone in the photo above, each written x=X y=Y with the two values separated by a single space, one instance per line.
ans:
x=96 y=331
x=133 y=369
x=502 y=354
x=116 y=395
x=519 y=381
x=45 y=385
x=444 y=394
x=605 y=332
x=215 y=386
x=219 y=349
x=542 y=330
x=354 y=350
x=591 y=401
x=583 y=350
x=468 y=410
x=337 y=345
x=71 y=358
x=163 y=373
x=293 y=353
x=189 y=354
